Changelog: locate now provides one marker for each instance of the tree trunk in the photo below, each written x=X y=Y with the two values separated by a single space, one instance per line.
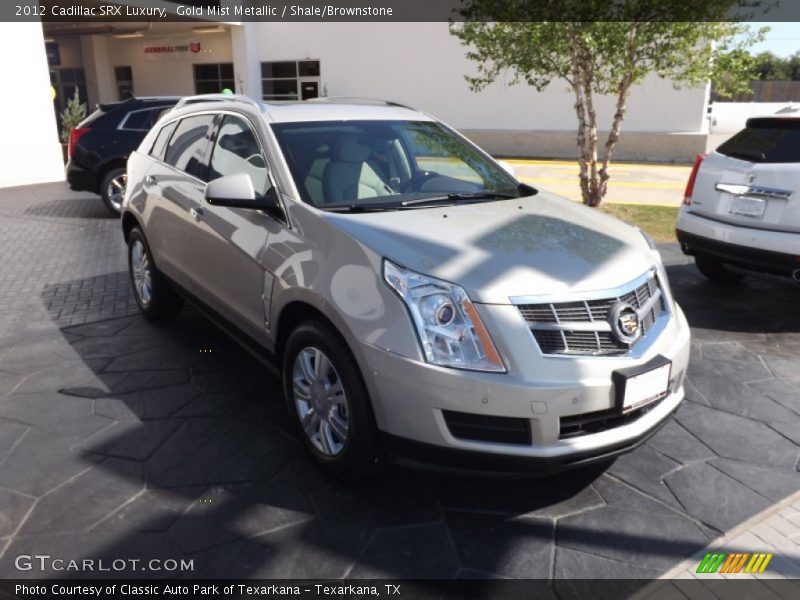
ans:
x=594 y=196
x=623 y=91
x=580 y=111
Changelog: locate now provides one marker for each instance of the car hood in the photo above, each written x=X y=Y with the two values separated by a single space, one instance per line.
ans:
x=539 y=245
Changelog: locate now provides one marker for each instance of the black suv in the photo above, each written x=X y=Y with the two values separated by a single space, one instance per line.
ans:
x=99 y=147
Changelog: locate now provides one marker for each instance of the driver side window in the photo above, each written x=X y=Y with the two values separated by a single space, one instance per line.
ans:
x=237 y=151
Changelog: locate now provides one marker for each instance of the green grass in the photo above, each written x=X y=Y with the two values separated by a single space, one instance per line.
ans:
x=658 y=221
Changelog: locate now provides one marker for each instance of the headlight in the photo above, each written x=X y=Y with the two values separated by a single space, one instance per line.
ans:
x=450 y=331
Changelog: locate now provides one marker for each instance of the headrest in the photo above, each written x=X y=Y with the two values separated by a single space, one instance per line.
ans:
x=241 y=143
x=349 y=150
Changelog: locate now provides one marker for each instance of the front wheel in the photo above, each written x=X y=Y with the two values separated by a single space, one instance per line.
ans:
x=155 y=297
x=112 y=189
x=329 y=403
x=715 y=270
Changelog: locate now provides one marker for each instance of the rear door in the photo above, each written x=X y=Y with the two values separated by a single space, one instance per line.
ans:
x=753 y=179
x=172 y=184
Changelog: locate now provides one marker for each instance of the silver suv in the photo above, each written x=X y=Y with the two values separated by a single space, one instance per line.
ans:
x=741 y=209
x=422 y=303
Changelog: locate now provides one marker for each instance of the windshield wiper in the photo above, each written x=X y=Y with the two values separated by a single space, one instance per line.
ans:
x=458 y=196
x=454 y=197
x=360 y=208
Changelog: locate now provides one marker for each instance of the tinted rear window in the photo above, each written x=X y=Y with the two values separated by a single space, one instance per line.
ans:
x=139 y=120
x=187 y=147
x=766 y=141
x=157 y=151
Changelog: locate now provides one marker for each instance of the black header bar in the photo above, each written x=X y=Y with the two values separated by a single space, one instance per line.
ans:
x=82 y=11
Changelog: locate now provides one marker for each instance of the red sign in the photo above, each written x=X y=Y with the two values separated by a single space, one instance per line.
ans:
x=168 y=50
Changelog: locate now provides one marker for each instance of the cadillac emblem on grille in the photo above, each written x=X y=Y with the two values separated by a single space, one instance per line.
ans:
x=602 y=325
x=625 y=323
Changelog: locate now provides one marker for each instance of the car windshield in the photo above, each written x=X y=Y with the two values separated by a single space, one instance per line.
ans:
x=378 y=165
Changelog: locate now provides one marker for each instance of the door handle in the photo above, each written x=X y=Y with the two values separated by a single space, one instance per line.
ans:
x=150 y=180
x=197 y=213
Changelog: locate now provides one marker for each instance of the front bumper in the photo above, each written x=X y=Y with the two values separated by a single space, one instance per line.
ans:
x=412 y=398
x=775 y=252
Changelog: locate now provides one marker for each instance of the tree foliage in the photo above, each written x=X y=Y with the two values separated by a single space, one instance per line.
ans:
x=73 y=113
x=769 y=67
x=608 y=47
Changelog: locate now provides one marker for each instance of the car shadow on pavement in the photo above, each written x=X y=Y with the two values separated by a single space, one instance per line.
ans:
x=89 y=207
x=196 y=447
x=169 y=441
x=757 y=304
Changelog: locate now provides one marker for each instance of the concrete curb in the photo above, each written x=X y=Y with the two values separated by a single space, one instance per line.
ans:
x=761 y=532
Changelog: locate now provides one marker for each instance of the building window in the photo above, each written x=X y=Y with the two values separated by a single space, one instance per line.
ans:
x=212 y=78
x=290 y=79
x=124 y=79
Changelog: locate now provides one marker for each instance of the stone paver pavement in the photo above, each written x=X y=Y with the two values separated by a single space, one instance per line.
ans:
x=124 y=439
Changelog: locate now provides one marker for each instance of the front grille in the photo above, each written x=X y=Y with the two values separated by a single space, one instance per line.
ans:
x=582 y=327
x=601 y=420
x=487 y=428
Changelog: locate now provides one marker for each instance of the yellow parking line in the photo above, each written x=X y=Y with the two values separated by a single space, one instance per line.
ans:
x=568 y=163
x=644 y=185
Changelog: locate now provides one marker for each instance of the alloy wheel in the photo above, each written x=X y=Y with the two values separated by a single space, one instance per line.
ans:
x=115 y=190
x=320 y=400
x=142 y=273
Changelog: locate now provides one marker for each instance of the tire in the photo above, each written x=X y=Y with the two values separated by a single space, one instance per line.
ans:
x=112 y=189
x=154 y=295
x=341 y=434
x=715 y=270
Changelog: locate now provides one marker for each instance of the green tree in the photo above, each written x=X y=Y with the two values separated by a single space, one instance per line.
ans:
x=72 y=115
x=601 y=47
x=793 y=66
x=769 y=67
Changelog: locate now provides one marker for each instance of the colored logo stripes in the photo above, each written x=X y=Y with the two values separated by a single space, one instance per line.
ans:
x=722 y=562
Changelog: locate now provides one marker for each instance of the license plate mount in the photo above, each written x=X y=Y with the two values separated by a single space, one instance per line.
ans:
x=639 y=386
x=747 y=207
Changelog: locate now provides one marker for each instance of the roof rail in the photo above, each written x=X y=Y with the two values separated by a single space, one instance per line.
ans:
x=216 y=98
x=156 y=98
x=359 y=100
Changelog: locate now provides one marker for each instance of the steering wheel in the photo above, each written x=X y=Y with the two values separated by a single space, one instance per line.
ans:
x=416 y=183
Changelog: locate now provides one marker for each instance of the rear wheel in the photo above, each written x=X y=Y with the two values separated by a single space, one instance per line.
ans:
x=112 y=189
x=153 y=293
x=715 y=269
x=329 y=403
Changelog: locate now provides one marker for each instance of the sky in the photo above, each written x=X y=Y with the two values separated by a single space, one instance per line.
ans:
x=783 y=39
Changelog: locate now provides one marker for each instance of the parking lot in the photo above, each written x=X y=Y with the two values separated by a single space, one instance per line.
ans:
x=124 y=439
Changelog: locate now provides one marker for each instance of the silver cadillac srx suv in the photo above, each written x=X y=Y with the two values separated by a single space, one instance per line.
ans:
x=422 y=303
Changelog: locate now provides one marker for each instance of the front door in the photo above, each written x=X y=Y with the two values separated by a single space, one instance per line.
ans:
x=227 y=243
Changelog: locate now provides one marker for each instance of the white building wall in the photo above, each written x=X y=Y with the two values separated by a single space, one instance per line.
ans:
x=167 y=77
x=246 y=62
x=99 y=72
x=422 y=65
x=29 y=148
